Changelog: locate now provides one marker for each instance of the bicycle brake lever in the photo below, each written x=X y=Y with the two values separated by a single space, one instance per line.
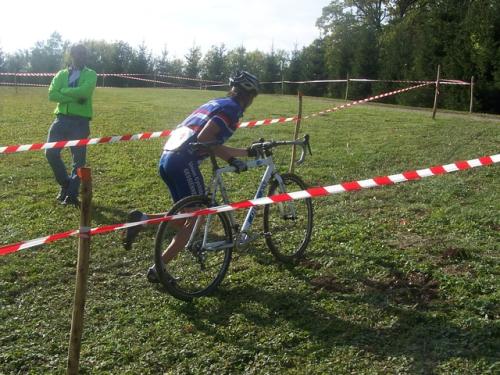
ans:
x=306 y=141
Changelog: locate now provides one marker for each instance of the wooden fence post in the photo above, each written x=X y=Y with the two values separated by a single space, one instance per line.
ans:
x=81 y=272
x=471 y=93
x=436 y=93
x=296 y=134
x=346 y=87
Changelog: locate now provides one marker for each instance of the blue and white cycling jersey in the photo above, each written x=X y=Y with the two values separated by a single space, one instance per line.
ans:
x=178 y=165
x=225 y=112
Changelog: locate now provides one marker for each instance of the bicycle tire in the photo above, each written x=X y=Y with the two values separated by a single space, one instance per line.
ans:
x=194 y=272
x=288 y=225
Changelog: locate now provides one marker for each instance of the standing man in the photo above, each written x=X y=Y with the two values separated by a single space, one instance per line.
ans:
x=72 y=89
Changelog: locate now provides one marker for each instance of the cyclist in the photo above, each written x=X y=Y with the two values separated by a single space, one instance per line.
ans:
x=179 y=163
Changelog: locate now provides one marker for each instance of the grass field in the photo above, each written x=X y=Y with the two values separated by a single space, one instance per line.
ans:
x=401 y=279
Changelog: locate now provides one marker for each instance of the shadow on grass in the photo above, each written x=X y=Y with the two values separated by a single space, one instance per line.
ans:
x=423 y=334
x=108 y=215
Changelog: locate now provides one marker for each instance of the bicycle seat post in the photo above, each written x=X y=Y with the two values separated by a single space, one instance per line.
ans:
x=213 y=159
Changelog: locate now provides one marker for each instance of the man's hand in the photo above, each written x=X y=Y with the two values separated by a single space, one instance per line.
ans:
x=238 y=164
x=256 y=150
x=252 y=151
x=81 y=100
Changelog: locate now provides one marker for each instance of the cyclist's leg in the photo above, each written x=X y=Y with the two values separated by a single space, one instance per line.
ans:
x=181 y=238
x=168 y=166
x=183 y=179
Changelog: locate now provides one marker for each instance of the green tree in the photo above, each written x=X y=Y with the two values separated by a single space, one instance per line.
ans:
x=273 y=64
x=215 y=64
x=99 y=55
x=237 y=60
x=141 y=61
x=177 y=67
x=48 y=56
x=193 y=62
x=313 y=57
x=162 y=62
x=2 y=60
x=294 y=71
x=19 y=61
x=256 y=63
x=371 y=13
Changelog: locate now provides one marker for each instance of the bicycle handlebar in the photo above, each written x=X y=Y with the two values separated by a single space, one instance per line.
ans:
x=303 y=142
x=261 y=147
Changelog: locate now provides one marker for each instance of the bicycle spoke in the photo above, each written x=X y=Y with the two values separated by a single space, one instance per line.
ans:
x=197 y=271
x=289 y=224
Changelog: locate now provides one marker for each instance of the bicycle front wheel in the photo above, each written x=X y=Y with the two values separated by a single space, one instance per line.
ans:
x=288 y=225
x=206 y=247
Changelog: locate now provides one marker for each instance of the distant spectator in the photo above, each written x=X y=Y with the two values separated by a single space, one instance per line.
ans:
x=72 y=89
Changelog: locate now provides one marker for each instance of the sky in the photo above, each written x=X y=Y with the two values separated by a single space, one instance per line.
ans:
x=176 y=25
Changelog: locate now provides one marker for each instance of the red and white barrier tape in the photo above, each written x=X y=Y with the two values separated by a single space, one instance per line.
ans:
x=219 y=84
x=453 y=82
x=443 y=81
x=26 y=74
x=22 y=84
x=152 y=81
x=84 y=142
x=356 y=102
x=248 y=124
x=387 y=80
x=314 y=81
x=137 y=79
x=269 y=121
x=186 y=78
x=23 y=74
x=312 y=192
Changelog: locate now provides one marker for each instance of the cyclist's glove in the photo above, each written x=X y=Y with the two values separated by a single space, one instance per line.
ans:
x=252 y=151
x=256 y=149
x=238 y=164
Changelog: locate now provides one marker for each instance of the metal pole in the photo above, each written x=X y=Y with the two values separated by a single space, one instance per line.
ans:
x=81 y=272
x=436 y=93
x=347 y=87
x=471 y=93
x=296 y=134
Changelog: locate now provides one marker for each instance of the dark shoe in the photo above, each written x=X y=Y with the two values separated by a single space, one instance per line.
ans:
x=62 y=194
x=152 y=275
x=131 y=233
x=71 y=201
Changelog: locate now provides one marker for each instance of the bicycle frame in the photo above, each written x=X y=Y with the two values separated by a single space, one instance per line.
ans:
x=217 y=185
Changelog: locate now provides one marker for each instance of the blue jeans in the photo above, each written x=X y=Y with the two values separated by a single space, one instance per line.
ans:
x=67 y=128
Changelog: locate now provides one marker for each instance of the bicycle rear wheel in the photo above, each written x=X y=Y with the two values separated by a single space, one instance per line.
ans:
x=201 y=265
x=288 y=225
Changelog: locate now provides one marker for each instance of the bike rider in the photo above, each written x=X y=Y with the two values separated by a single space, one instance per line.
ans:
x=179 y=163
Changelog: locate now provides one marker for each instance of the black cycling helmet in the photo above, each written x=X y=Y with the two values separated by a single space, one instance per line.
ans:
x=245 y=81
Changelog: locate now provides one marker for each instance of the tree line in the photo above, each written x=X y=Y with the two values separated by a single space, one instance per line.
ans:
x=377 y=39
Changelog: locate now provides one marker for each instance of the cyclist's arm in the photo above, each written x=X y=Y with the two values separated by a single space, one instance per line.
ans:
x=209 y=134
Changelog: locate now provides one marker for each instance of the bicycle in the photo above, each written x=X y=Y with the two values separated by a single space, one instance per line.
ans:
x=201 y=265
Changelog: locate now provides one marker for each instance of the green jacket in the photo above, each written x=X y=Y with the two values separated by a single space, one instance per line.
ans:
x=68 y=97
